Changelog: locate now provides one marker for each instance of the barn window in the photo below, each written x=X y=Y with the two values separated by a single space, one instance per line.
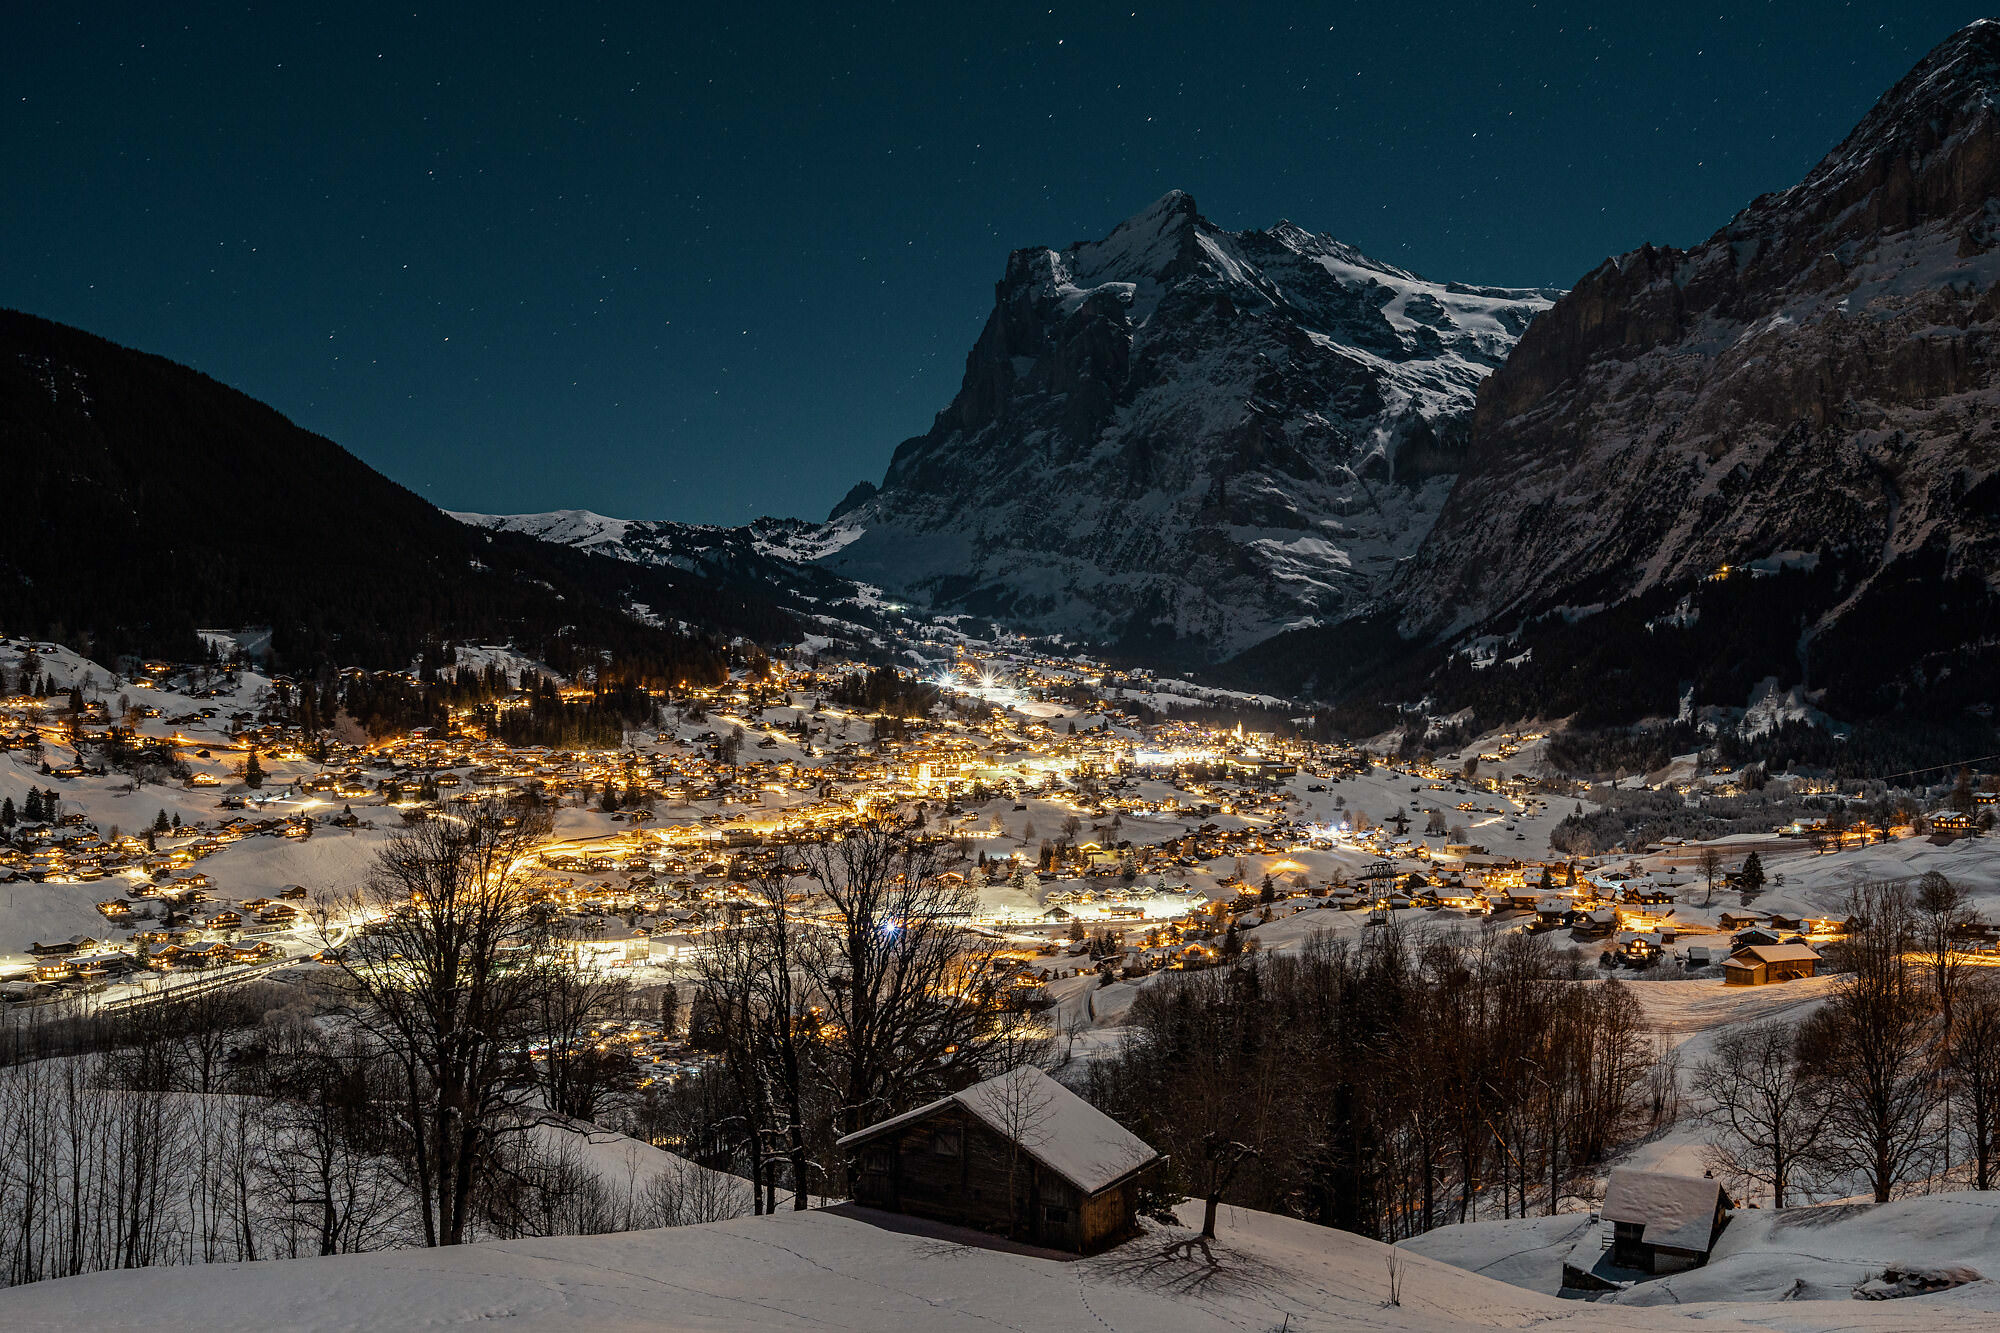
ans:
x=1056 y=1213
x=875 y=1159
x=949 y=1142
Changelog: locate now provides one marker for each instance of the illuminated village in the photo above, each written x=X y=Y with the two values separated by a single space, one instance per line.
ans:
x=1095 y=842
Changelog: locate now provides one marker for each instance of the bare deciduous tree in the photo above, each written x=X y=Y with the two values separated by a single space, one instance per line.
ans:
x=902 y=982
x=449 y=966
x=1020 y=1104
x=1975 y=1073
x=1773 y=1112
x=1710 y=862
x=1873 y=1041
x=1943 y=911
x=575 y=1069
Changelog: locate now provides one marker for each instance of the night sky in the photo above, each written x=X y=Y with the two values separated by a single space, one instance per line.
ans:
x=707 y=262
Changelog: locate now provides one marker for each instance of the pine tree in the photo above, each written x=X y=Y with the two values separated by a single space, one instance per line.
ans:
x=7 y=815
x=1750 y=879
x=160 y=824
x=253 y=772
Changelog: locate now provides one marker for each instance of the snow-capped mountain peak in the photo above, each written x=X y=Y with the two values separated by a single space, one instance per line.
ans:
x=1184 y=431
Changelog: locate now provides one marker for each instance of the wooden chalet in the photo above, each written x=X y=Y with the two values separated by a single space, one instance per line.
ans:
x=1019 y=1154
x=1759 y=964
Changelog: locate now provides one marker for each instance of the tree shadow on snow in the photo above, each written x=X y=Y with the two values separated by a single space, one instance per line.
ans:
x=1178 y=1261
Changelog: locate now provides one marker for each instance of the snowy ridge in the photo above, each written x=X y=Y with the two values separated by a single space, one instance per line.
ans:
x=567 y=527
x=771 y=557
x=658 y=541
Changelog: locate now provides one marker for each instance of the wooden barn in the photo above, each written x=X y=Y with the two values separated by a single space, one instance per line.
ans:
x=1019 y=1154
x=1663 y=1223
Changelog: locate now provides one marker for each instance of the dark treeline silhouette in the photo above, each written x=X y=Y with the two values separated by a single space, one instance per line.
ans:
x=1387 y=1087
x=884 y=690
x=529 y=709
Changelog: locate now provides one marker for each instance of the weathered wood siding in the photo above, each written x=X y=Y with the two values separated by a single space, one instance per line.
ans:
x=952 y=1168
x=1110 y=1216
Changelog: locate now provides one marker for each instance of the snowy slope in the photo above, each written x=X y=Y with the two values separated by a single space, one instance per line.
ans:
x=822 y=1270
x=769 y=558
x=1185 y=431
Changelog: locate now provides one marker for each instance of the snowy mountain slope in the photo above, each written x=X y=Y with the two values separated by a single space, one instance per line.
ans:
x=1185 y=432
x=1820 y=376
x=768 y=558
x=823 y=1270
x=769 y=549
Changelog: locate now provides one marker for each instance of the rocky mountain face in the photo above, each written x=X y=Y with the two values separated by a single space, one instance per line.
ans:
x=1813 y=386
x=1184 y=435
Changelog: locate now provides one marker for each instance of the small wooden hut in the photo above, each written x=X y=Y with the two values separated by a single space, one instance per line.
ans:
x=1019 y=1154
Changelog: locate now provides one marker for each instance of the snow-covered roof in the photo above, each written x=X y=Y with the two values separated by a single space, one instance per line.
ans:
x=1780 y=953
x=1053 y=1125
x=1676 y=1211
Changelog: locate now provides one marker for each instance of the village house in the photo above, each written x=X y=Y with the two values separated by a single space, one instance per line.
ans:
x=1017 y=1154
x=1759 y=964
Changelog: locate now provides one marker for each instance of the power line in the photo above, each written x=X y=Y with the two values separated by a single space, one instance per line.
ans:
x=1956 y=763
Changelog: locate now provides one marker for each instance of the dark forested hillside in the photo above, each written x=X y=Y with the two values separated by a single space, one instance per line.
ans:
x=143 y=500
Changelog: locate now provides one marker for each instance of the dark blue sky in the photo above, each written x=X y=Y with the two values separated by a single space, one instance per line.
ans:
x=712 y=261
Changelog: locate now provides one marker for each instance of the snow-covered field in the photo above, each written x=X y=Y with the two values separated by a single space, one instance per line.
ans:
x=825 y=1270
x=1810 y=1254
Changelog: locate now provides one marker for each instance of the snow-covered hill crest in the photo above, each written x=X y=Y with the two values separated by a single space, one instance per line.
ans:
x=1185 y=432
x=664 y=542
x=770 y=557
